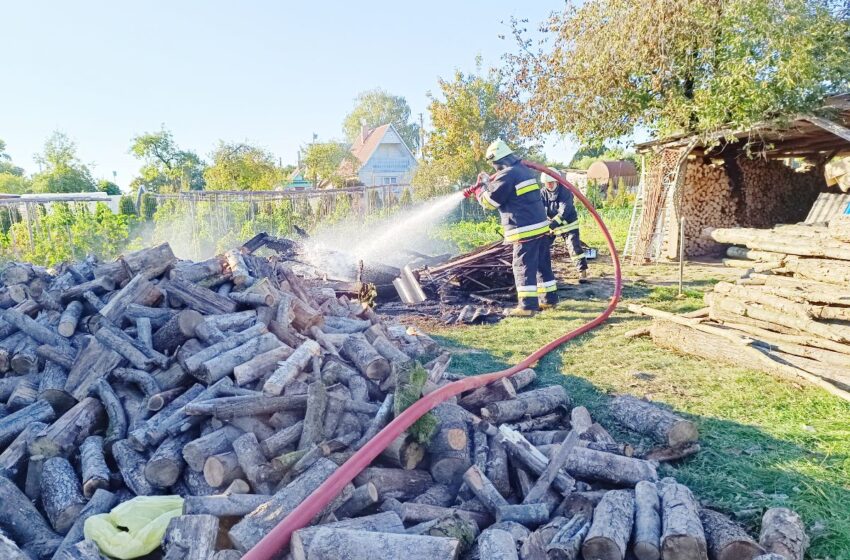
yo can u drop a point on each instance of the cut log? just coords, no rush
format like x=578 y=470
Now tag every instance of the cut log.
x=496 y=544
x=94 y=362
x=385 y=522
x=131 y=465
x=276 y=444
x=149 y=433
x=368 y=361
x=464 y=530
x=403 y=452
x=364 y=496
x=379 y=420
x=22 y=522
x=197 y=451
x=142 y=379
x=102 y=501
x=16 y=422
x=501 y=390
x=450 y=447
x=158 y=316
x=726 y=540
x=157 y=401
x=647 y=535
x=51 y=387
x=222 y=365
x=32 y=484
x=538 y=491
x=32 y=328
x=198 y=298
x=254 y=526
x=70 y=318
x=121 y=343
x=227 y=408
x=93 y=466
x=531 y=403
x=612 y=525
x=227 y=554
x=530 y=515
x=519 y=448
x=291 y=367
x=650 y=419
x=149 y=262
x=13 y=459
x=61 y=494
x=118 y=424
x=235 y=505
x=208 y=333
x=68 y=432
x=222 y=469
x=253 y=462
x=24 y=394
x=317 y=402
x=195 y=362
x=138 y=291
x=483 y=489
x=580 y=420
x=662 y=454
x=411 y=512
x=437 y=495
x=261 y=365
x=335 y=544
x=566 y=544
x=400 y=484
x=176 y=331
x=166 y=464
x=783 y=533
x=194 y=485
x=190 y=537
x=682 y=536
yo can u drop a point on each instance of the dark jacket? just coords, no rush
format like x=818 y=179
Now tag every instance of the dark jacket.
x=560 y=209
x=515 y=192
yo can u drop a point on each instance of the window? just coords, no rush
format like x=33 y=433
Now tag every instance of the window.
x=390 y=180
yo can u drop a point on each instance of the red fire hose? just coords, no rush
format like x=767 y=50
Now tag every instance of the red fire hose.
x=278 y=538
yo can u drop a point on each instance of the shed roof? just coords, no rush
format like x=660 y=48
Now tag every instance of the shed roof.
x=821 y=134
x=604 y=170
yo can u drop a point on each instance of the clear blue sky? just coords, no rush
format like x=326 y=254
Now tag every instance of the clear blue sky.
x=272 y=73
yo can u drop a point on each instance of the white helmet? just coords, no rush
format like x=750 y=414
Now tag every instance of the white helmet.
x=497 y=150
x=546 y=180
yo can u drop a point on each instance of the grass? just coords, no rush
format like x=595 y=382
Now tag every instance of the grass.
x=765 y=442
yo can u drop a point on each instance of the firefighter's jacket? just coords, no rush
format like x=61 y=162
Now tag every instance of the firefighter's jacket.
x=560 y=209
x=515 y=193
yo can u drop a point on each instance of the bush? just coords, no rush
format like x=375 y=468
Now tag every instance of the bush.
x=468 y=235
x=127 y=206
x=148 y=206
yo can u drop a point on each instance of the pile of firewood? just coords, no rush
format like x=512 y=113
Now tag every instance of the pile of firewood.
x=789 y=313
x=241 y=387
x=742 y=191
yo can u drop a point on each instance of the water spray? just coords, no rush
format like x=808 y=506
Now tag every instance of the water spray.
x=278 y=538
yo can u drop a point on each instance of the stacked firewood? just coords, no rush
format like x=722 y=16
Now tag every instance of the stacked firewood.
x=741 y=191
x=241 y=387
x=788 y=314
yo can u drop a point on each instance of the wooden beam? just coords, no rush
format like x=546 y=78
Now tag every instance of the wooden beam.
x=828 y=125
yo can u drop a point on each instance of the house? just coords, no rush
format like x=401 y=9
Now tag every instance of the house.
x=383 y=158
x=297 y=181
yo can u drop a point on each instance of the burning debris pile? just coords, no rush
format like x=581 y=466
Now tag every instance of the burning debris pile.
x=240 y=386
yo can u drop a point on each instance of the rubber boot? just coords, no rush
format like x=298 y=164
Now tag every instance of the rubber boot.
x=520 y=312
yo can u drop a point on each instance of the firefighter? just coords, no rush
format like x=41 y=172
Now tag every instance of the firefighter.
x=514 y=191
x=561 y=212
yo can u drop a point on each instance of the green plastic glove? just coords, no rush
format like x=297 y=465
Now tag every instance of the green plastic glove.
x=135 y=527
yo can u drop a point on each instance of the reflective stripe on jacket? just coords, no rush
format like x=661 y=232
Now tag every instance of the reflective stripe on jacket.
x=515 y=193
x=560 y=209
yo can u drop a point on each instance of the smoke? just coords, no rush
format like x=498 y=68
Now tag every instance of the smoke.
x=392 y=241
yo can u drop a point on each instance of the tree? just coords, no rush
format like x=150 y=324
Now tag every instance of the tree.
x=12 y=179
x=376 y=107
x=166 y=168
x=6 y=166
x=323 y=163
x=62 y=171
x=108 y=187
x=242 y=167
x=466 y=117
x=606 y=67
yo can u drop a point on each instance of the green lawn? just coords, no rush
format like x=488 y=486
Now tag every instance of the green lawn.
x=765 y=442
